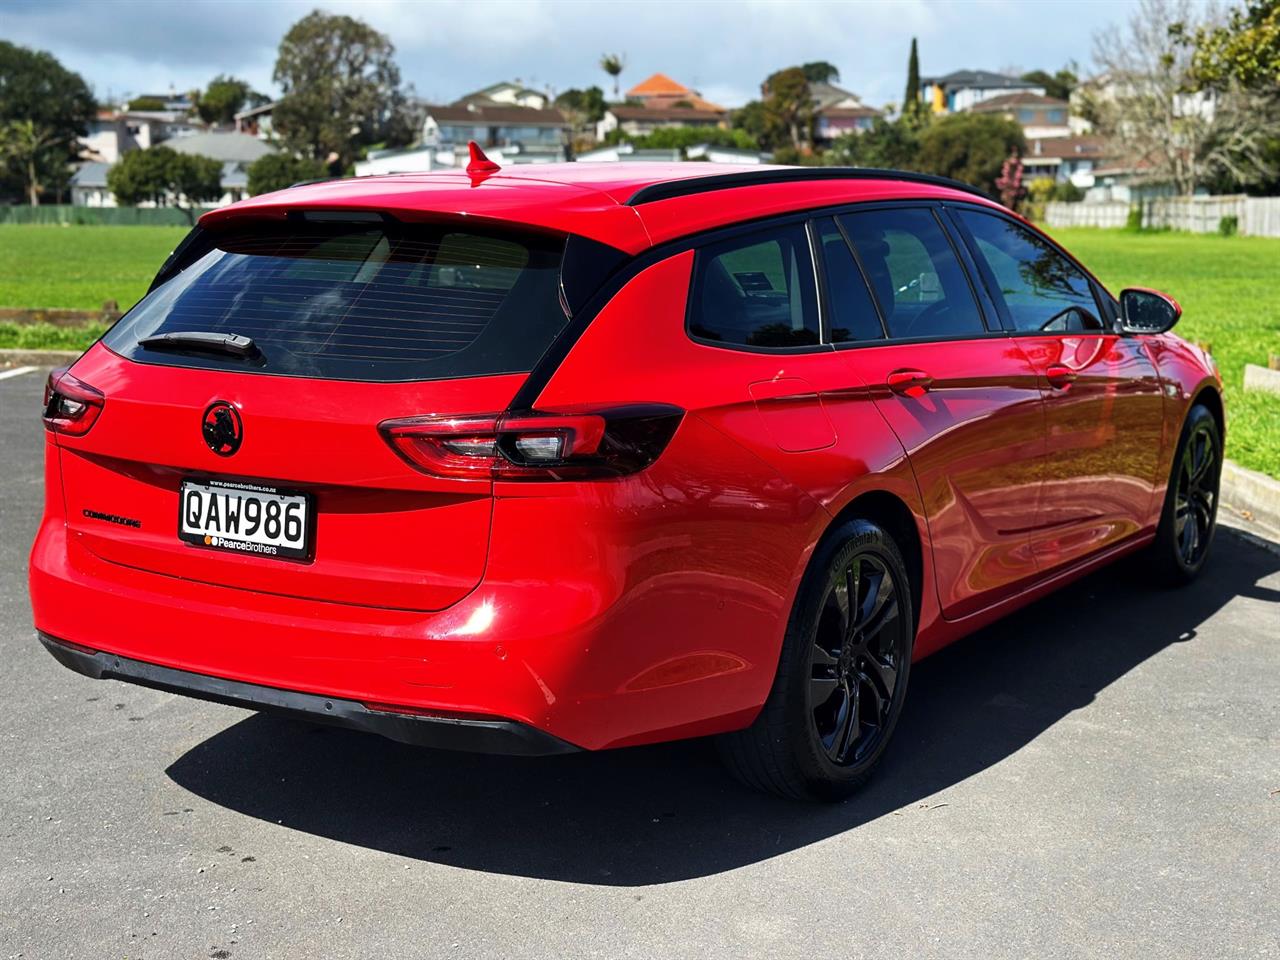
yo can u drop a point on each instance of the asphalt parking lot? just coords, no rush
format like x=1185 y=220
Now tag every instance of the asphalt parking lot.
x=1098 y=776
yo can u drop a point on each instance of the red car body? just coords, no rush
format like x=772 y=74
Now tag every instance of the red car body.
x=590 y=611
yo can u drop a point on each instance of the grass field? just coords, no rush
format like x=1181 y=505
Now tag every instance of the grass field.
x=1229 y=288
x=79 y=267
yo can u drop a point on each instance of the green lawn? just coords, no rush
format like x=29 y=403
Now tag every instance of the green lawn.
x=79 y=267
x=1229 y=288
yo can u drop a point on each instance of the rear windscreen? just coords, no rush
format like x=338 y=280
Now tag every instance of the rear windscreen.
x=384 y=302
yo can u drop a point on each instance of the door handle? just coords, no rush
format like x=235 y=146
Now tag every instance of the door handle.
x=1060 y=375
x=909 y=383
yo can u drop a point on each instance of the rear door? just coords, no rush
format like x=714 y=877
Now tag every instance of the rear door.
x=1103 y=399
x=961 y=396
x=350 y=324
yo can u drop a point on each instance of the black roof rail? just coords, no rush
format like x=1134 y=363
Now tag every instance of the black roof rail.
x=746 y=178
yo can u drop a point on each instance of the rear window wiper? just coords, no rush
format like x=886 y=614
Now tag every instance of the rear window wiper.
x=199 y=341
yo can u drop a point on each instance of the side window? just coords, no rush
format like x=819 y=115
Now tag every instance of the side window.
x=853 y=313
x=915 y=274
x=756 y=291
x=1043 y=290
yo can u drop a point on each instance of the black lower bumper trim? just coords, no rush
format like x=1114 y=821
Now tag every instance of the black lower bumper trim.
x=449 y=733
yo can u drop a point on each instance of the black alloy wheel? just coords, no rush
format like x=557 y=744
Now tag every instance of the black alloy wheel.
x=1196 y=499
x=857 y=652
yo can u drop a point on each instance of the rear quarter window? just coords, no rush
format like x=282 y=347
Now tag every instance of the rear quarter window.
x=376 y=303
x=756 y=291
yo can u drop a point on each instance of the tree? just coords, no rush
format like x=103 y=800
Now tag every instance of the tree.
x=146 y=103
x=613 y=64
x=224 y=98
x=582 y=108
x=971 y=147
x=278 y=171
x=1168 y=134
x=911 y=105
x=1009 y=183
x=43 y=109
x=27 y=147
x=340 y=87
x=1245 y=50
x=819 y=71
x=788 y=106
x=887 y=145
x=163 y=176
x=753 y=120
x=1057 y=85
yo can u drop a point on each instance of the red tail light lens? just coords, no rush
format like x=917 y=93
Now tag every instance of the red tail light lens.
x=572 y=445
x=71 y=406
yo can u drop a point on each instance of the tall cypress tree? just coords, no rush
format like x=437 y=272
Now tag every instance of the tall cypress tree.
x=911 y=99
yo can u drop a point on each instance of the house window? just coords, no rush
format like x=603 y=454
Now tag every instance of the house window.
x=1057 y=117
x=1026 y=116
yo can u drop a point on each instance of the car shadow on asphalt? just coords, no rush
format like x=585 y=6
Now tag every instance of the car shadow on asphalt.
x=666 y=813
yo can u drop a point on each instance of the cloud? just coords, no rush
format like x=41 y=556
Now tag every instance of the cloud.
x=449 y=47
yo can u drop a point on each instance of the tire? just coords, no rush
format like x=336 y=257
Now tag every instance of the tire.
x=806 y=743
x=1190 y=511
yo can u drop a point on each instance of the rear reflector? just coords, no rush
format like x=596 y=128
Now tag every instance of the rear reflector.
x=71 y=406
x=585 y=444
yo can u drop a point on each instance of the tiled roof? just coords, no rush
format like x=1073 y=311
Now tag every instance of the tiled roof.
x=658 y=85
x=501 y=114
x=1024 y=98
x=224 y=146
x=980 y=78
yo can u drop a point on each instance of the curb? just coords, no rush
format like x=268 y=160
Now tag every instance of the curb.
x=1254 y=494
x=38 y=358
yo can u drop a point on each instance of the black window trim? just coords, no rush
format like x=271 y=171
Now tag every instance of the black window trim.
x=1102 y=299
x=537 y=380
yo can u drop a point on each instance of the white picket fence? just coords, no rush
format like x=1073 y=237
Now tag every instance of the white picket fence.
x=1256 y=216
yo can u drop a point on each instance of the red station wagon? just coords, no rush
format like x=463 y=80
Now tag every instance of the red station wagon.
x=583 y=456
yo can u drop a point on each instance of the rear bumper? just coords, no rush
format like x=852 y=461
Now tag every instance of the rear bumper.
x=449 y=733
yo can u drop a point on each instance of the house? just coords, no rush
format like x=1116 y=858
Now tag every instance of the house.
x=614 y=152
x=660 y=92
x=425 y=158
x=961 y=89
x=113 y=133
x=838 y=112
x=89 y=185
x=256 y=121
x=1039 y=116
x=1074 y=159
x=639 y=121
x=512 y=94
x=235 y=151
x=526 y=131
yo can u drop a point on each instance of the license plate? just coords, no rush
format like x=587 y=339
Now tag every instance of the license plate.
x=246 y=518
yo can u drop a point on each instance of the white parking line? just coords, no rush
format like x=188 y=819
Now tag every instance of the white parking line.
x=16 y=372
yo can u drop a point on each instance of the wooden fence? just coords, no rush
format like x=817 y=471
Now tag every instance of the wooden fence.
x=1255 y=216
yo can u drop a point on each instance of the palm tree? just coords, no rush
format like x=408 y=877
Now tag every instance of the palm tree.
x=612 y=64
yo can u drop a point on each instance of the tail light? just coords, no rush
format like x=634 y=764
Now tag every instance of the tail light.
x=71 y=406
x=582 y=444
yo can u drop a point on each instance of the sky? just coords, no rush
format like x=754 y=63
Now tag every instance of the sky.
x=446 y=48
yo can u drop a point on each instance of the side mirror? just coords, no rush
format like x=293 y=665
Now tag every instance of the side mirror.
x=1147 y=311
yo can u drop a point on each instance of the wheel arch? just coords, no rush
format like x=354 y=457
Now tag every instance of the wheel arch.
x=1209 y=397
x=891 y=512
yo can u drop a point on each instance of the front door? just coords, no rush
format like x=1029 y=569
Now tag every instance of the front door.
x=1103 y=400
